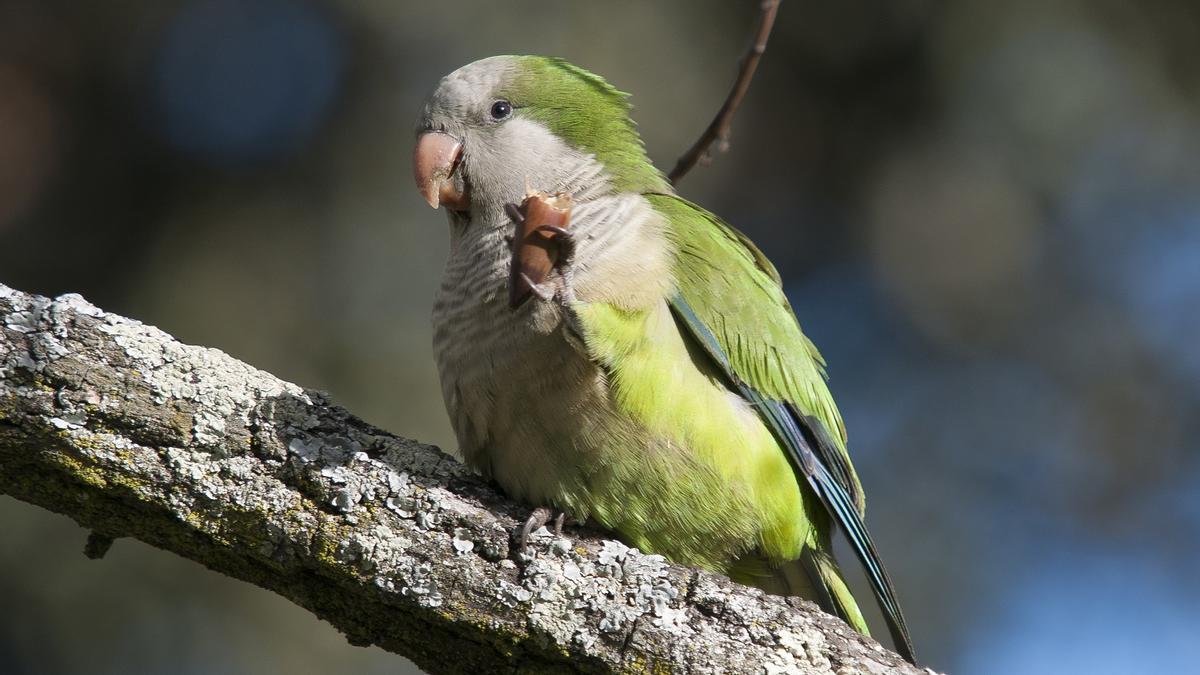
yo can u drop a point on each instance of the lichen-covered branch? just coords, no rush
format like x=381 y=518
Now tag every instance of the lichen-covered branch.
x=132 y=434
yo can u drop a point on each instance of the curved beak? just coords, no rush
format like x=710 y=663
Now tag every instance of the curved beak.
x=435 y=159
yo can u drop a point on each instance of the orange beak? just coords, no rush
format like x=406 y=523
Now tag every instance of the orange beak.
x=435 y=159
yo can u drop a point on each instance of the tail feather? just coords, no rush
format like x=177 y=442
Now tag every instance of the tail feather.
x=838 y=600
x=814 y=576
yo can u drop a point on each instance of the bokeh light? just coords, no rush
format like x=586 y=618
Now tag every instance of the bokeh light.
x=240 y=80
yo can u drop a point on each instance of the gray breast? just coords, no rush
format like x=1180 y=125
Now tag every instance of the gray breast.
x=496 y=364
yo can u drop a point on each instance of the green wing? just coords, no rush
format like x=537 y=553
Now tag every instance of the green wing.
x=736 y=292
x=730 y=299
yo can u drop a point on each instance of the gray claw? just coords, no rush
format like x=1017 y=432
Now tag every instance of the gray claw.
x=540 y=516
x=537 y=290
x=514 y=213
x=566 y=245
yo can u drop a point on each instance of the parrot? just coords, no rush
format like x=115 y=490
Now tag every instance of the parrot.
x=654 y=380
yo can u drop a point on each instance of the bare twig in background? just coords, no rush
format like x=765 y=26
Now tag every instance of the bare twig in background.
x=718 y=129
x=132 y=434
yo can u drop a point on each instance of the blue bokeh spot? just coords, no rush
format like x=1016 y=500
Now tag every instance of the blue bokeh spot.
x=246 y=80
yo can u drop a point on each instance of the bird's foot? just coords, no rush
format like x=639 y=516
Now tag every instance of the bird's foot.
x=543 y=261
x=563 y=259
x=540 y=516
x=565 y=288
x=564 y=264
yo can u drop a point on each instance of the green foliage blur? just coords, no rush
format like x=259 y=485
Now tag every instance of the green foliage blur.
x=987 y=216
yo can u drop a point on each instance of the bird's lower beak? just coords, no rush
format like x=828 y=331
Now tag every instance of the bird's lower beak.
x=435 y=160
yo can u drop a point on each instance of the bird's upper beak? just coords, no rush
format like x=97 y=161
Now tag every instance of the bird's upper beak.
x=435 y=160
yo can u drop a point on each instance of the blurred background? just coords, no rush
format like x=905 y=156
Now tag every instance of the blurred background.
x=987 y=216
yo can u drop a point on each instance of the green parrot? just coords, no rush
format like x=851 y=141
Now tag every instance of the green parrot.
x=655 y=380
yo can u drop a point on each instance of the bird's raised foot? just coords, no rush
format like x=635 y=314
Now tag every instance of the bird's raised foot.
x=564 y=264
x=541 y=245
x=565 y=241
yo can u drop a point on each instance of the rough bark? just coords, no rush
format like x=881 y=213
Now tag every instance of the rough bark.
x=132 y=434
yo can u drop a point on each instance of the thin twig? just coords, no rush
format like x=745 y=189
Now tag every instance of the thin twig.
x=718 y=129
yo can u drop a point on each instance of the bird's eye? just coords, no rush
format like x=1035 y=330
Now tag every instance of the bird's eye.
x=501 y=110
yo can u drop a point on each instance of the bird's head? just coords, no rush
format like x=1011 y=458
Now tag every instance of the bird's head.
x=498 y=127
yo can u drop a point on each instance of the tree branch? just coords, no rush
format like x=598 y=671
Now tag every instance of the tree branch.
x=133 y=434
x=718 y=129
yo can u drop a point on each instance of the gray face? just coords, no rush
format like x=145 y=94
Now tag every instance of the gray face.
x=503 y=156
x=463 y=99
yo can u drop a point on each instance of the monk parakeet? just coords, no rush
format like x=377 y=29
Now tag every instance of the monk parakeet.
x=654 y=379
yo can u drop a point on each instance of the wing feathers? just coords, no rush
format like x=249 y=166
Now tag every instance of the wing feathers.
x=797 y=437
